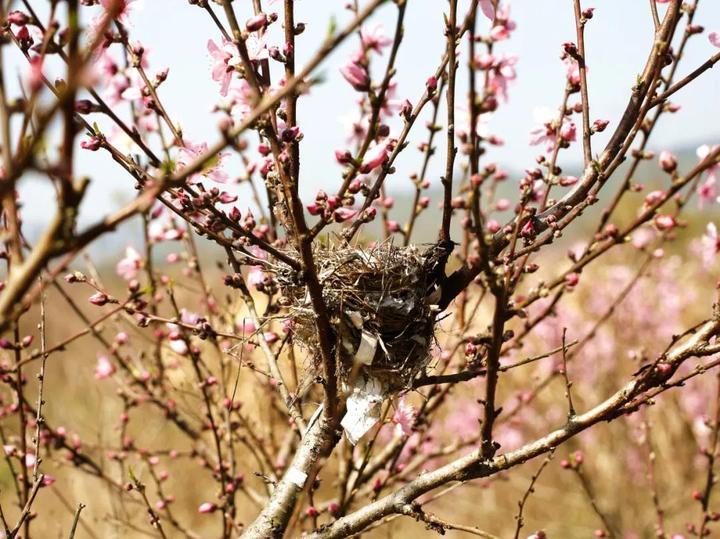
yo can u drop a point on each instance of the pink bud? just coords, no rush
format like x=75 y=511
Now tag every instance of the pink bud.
x=568 y=131
x=356 y=75
x=207 y=507
x=93 y=144
x=568 y=180
x=256 y=23
x=18 y=18
x=667 y=161
x=98 y=299
x=431 y=84
x=311 y=512
x=600 y=125
x=343 y=157
x=343 y=214
x=654 y=197
x=571 y=279
x=665 y=222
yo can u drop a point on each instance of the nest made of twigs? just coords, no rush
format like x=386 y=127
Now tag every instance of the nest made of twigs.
x=380 y=296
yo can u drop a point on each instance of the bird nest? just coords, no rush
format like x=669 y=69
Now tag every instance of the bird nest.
x=381 y=308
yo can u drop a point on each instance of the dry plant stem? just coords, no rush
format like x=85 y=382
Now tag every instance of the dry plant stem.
x=376 y=103
x=652 y=480
x=154 y=518
x=531 y=488
x=679 y=85
x=654 y=11
x=28 y=506
x=474 y=465
x=429 y=152
x=76 y=520
x=459 y=280
x=6 y=526
x=440 y=526
x=271 y=100
x=566 y=376
x=39 y=419
x=303 y=238
x=611 y=529
x=20 y=279
x=447 y=179
x=491 y=379
x=409 y=122
x=268 y=353
x=580 y=31
x=711 y=455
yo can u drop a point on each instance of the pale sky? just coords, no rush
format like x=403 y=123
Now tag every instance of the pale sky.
x=619 y=38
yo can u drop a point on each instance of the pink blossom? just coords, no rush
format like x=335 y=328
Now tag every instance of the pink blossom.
x=710 y=244
x=374 y=38
x=226 y=198
x=665 y=222
x=707 y=190
x=188 y=317
x=241 y=98
x=546 y=132
x=375 y=157
x=502 y=72
x=104 y=368
x=356 y=75
x=128 y=267
x=486 y=6
x=714 y=38
x=503 y=25
x=164 y=231
x=125 y=8
x=356 y=125
x=642 y=237
x=224 y=59
x=343 y=214
x=35 y=76
x=247 y=327
x=256 y=276
x=179 y=346
x=404 y=418
x=213 y=169
x=568 y=131
x=257 y=47
x=573 y=70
